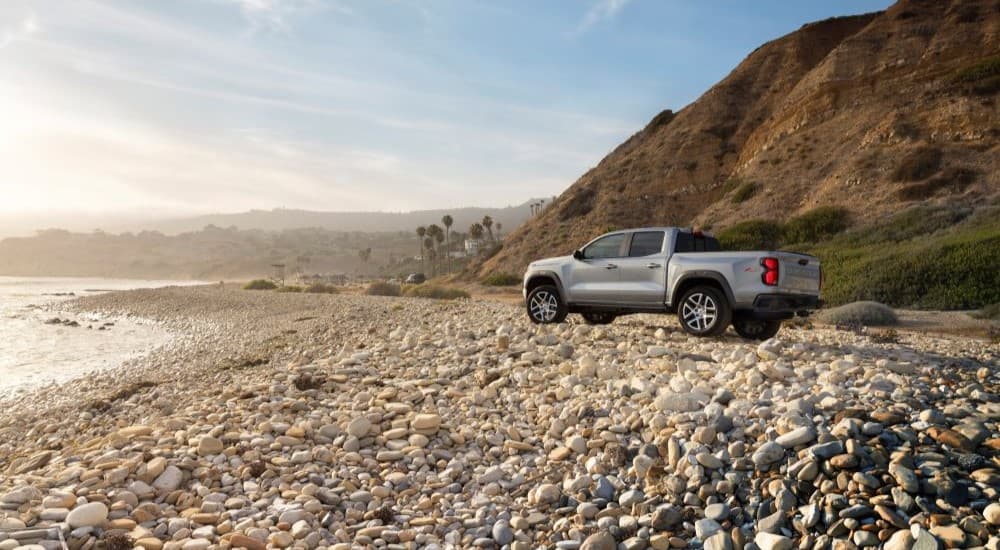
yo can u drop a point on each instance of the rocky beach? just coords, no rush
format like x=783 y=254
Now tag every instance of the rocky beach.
x=313 y=421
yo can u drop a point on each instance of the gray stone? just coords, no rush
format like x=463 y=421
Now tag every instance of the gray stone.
x=768 y=453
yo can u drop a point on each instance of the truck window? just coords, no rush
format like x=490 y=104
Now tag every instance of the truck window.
x=689 y=242
x=605 y=247
x=645 y=243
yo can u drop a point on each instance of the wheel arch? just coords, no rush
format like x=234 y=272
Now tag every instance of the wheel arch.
x=544 y=278
x=697 y=278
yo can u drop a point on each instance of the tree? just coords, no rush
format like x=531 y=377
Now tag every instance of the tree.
x=447 y=221
x=435 y=232
x=365 y=254
x=429 y=245
x=421 y=231
x=488 y=224
x=476 y=231
x=439 y=238
x=499 y=228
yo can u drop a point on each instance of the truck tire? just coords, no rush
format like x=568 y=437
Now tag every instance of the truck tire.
x=704 y=311
x=599 y=318
x=756 y=329
x=545 y=305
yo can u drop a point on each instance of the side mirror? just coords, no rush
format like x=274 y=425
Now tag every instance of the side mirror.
x=578 y=254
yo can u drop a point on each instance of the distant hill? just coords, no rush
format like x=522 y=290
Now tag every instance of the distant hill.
x=874 y=114
x=280 y=219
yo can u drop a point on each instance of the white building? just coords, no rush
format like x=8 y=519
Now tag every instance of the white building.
x=472 y=246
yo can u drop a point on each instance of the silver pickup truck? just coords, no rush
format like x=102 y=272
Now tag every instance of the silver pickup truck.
x=674 y=270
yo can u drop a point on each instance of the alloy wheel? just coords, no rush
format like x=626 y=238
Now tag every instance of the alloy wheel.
x=544 y=306
x=699 y=311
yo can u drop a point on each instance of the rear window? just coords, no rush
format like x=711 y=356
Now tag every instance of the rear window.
x=645 y=243
x=689 y=242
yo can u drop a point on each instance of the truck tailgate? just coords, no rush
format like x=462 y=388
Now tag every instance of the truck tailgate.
x=798 y=273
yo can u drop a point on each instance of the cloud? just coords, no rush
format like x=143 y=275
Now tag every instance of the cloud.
x=603 y=9
x=22 y=30
x=276 y=15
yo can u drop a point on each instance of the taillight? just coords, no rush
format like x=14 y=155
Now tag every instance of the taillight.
x=770 y=275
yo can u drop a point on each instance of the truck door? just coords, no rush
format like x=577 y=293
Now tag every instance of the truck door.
x=594 y=278
x=644 y=270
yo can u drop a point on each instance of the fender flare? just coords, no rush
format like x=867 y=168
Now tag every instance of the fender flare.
x=703 y=274
x=550 y=275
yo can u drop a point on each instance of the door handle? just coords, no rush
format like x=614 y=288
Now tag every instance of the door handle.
x=653 y=265
x=611 y=266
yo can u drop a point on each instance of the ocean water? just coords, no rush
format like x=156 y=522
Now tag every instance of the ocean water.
x=34 y=353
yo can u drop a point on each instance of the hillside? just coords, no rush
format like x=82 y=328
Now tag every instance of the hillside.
x=280 y=219
x=873 y=113
x=212 y=253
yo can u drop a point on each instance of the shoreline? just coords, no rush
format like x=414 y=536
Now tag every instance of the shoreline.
x=325 y=421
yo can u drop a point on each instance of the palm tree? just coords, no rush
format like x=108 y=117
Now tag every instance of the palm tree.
x=435 y=232
x=488 y=224
x=447 y=221
x=532 y=206
x=421 y=231
x=499 y=228
x=439 y=238
x=476 y=231
x=429 y=245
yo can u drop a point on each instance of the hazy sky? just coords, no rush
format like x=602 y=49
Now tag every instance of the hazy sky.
x=165 y=107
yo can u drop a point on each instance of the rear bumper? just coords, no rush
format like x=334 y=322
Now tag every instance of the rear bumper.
x=778 y=306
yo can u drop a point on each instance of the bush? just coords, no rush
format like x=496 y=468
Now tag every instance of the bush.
x=751 y=235
x=919 y=164
x=983 y=70
x=435 y=292
x=744 y=192
x=502 y=279
x=321 y=288
x=816 y=224
x=991 y=311
x=953 y=269
x=383 y=289
x=289 y=288
x=953 y=179
x=864 y=313
x=260 y=284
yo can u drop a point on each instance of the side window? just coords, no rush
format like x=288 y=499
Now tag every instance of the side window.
x=645 y=243
x=685 y=242
x=606 y=247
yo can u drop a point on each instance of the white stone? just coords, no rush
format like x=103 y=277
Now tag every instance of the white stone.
x=92 y=514
x=770 y=541
x=796 y=437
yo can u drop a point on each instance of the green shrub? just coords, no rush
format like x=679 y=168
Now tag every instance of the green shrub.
x=260 y=284
x=991 y=311
x=435 y=292
x=917 y=221
x=918 y=164
x=816 y=224
x=744 y=192
x=985 y=69
x=952 y=179
x=383 y=289
x=951 y=269
x=751 y=235
x=321 y=288
x=866 y=313
x=502 y=279
x=289 y=288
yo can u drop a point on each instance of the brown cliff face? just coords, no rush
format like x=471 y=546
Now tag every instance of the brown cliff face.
x=831 y=114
